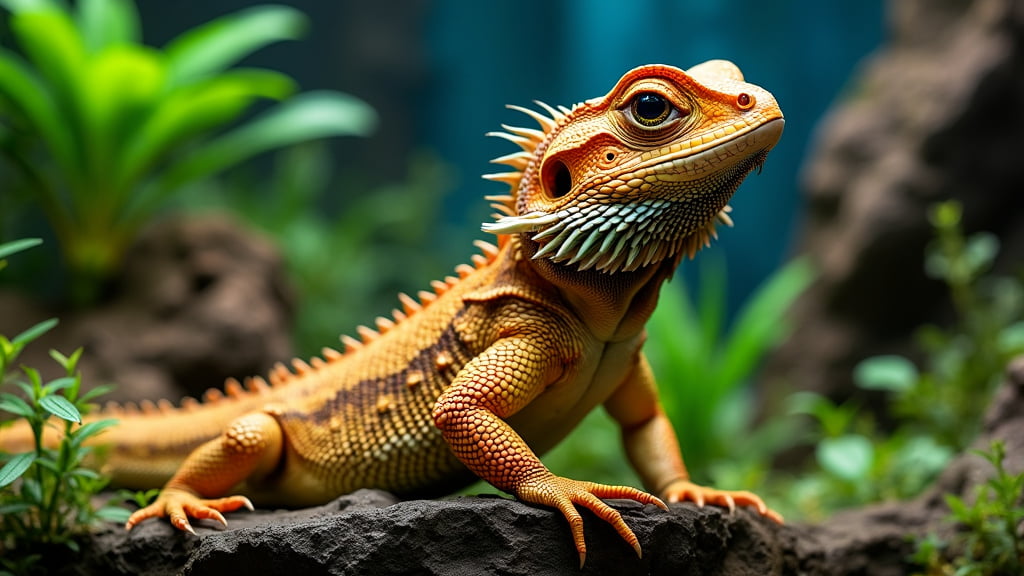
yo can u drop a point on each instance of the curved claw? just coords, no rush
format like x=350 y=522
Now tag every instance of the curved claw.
x=565 y=494
x=180 y=505
x=683 y=490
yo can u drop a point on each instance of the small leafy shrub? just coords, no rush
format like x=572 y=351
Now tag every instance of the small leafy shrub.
x=938 y=409
x=990 y=541
x=100 y=128
x=45 y=493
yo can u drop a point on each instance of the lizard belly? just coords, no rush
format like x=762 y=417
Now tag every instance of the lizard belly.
x=557 y=411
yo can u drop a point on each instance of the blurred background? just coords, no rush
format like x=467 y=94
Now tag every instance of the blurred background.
x=211 y=176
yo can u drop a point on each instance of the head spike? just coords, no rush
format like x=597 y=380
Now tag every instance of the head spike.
x=351 y=344
x=490 y=251
x=384 y=324
x=213 y=396
x=189 y=404
x=517 y=160
x=301 y=367
x=398 y=315
x=546 y=123
x=409 y=305
x=479 y=260
x=522 y=141
x=317 y=362
x=439 y=287
x=427 y=297
x=257 y=385
x=366 y=333
x=464 y=270
x=234 y=388
x=330 y=354
x=165 y=406
x=147 y=406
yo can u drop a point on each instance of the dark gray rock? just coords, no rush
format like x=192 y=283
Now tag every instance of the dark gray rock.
x=930 y=117
x=197 y=300
x=370 y=532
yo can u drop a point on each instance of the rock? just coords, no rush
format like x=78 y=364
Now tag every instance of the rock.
x=930 y=117
x=198 y=299
x=371 y=532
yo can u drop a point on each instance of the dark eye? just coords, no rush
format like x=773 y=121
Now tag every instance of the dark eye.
x=651 y=109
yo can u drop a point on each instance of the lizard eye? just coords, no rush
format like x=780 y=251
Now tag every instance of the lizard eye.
x=650 y=109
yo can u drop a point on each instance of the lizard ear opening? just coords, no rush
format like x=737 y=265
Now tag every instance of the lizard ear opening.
x=557 y=179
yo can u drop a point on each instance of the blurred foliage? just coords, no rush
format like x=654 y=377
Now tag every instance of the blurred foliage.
x=346 y=265
x=46 y=493
x=100 y=129
x=938 y=409
x=989 y=541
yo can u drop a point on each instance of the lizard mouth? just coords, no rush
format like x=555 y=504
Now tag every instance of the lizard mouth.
x=678 y=216
x=626 y=236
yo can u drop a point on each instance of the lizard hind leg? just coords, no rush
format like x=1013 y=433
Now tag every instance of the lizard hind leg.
x=250 y=447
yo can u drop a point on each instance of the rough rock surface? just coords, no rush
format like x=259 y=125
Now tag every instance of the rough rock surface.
x=932 y=116
x=370 y=532
x=199 y=299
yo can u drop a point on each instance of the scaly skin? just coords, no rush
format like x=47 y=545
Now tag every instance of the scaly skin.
x=495 y=367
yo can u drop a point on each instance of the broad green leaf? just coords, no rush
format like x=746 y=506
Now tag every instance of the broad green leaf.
x=31 y=98
x=34 y=332
x=890 y=372
x=15 y=405
x=15 y=467
x=760 y=324
x=54 y=46
x=113 y=514
x=9 y=248
x=849 y=457
x=16 y=6
x=191 y=111
x=14 y=508
x=218 y=44
x=58 y=384
x=107 y=22
x=97 y=391
x=126 y=82
x=91 y=429
x=61 y=407
x=305 y=117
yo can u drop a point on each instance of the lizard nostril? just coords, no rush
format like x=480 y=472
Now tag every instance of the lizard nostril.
x=558 y=179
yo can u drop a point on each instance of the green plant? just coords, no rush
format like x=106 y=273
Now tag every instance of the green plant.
x=102 y=128
x=937 y=409
x=989 y=540
x=45 y=493
x=703 y=369
x=347 y=266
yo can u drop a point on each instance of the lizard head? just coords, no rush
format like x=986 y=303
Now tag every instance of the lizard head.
x=637 y=176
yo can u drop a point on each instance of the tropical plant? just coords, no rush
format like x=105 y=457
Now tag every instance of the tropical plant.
x=704 y=366
x=102 y=128
x=45 y=492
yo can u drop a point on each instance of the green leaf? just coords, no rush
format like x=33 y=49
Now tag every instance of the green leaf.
x=53 y=44
x=15 y=467
x=58 y=384
x=194 y=110
x=892 y=373
x=305 y=117
x=91 y=429
x=113 y=514
x=14 y=405
x=32 y=99
x=61 y=407
x=34 y=332
x=97 y=391
x=760 y=323
x=849 y=457
x=215 y=46
x=107 y=22
x=9 y=248
x=16 y=6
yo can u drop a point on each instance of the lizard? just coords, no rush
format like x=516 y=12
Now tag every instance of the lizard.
x=497 y=363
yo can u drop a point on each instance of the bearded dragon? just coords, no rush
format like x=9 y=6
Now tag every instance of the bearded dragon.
x=491 y=368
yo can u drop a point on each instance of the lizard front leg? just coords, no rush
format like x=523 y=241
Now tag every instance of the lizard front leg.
x=250 y=448
x=470 y=415
x=653 y=449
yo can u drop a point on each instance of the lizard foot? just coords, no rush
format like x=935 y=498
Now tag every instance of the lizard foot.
x=683 y=490
x=564 y=494
x=179 y=505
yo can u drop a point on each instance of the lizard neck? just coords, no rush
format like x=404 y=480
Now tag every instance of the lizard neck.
x=614 y=307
